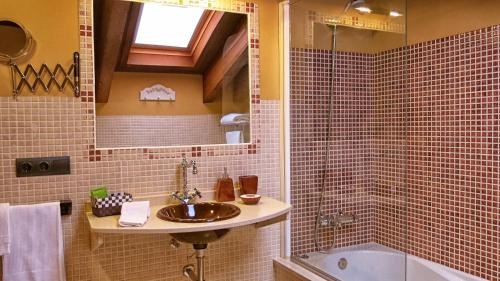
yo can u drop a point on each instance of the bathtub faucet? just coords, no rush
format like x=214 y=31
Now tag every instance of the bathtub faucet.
x=337 y=220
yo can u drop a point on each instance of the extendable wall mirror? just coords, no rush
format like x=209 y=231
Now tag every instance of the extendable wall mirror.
x=16 y=43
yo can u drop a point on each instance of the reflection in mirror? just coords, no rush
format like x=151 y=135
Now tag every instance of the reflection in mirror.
x=15 y=42
x=170 y=76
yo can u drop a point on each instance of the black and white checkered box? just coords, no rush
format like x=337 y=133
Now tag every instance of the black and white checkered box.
x=110 y=205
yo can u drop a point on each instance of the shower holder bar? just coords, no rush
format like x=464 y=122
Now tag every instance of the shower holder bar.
x=46 y=77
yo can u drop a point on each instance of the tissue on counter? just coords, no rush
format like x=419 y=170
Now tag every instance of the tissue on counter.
x=134 y=213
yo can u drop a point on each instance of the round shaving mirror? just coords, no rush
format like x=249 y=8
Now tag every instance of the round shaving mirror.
x=16 y=42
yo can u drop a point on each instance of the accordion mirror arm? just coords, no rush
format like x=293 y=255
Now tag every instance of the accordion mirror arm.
x=96 y=241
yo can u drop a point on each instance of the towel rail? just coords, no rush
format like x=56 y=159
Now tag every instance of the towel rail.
x=46 y=77
x=66 y=207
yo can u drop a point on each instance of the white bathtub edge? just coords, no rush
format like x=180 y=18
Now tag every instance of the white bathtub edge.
x=437 y=269
x=450 y=273
x=287 y=263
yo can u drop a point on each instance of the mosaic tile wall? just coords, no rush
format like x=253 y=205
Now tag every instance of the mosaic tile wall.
x=453 y=148
x=439 y=138
x=53 y=126
x=349 y=177
x=390 y=143
x=146 y=131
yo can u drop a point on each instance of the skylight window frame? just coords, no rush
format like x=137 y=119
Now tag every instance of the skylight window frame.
x=192 y=41
x=156 y=59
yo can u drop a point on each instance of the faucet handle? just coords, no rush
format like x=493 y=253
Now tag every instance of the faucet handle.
x=176 y=195
x=196 y=193
x=195 y=167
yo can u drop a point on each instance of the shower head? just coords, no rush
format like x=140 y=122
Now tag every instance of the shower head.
x=369 y=7
x=353 y=3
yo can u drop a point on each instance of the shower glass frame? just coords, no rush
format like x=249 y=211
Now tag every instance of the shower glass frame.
x=356 y=23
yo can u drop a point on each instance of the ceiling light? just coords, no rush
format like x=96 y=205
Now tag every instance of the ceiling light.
x=364 y=9
x=395 y=14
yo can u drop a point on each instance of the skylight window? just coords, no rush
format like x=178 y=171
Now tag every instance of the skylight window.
x=168 y=26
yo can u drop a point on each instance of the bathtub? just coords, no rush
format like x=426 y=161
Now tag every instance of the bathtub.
x=374 y=262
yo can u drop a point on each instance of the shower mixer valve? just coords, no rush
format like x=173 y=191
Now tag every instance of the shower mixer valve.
x=337 y=220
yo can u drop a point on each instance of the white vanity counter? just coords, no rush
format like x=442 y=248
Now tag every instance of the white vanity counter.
x=267 y=211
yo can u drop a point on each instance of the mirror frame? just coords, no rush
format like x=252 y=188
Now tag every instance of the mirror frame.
x=88 y=87
x=25 y=52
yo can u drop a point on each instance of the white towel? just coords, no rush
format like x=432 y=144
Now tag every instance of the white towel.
x=4 y=229
x=235 y=119
x=37 y=249
x=134 y=213
x=234 y=137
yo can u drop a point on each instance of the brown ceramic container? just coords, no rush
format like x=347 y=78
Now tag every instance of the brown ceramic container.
x=248 y=184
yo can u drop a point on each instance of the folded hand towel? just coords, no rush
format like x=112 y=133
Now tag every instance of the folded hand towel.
x=4 y=229
x=134 y=213
x=36 y=250
x=235 y=119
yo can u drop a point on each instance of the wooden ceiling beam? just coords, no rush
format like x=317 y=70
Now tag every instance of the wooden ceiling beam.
x=143 y=58
x=113 y=21
x=228 y=64
x=130 y=31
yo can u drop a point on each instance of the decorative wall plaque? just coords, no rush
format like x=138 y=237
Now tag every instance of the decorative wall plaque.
x=157 y=93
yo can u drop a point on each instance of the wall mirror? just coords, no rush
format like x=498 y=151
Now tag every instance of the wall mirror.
x=16 y=43
x=170 y=75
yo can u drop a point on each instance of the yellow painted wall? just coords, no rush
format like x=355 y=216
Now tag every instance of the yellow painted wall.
x=427 y=20
x=53 y=24
x=269 y=51
x=348 y=39
x=357 y=40
x=236 y=93
x=125 y=88
x=432 y=19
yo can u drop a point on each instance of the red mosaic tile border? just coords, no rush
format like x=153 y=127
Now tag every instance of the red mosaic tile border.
x=87 y=95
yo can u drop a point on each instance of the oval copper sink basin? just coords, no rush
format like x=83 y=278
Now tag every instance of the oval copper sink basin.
x=199 y=212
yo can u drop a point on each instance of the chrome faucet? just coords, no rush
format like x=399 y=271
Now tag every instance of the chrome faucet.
x=338 y=220
x=187 y=197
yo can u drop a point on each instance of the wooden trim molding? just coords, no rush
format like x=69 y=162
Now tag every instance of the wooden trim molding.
x=160 y=56
x=229 y=63
x=218 y=48
x=132 y=25
x=113 y=21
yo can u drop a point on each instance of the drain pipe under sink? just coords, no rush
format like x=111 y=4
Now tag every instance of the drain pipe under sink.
x=188 y=270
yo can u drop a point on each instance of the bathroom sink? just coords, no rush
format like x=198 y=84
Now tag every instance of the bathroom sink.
x=199 y=212
x=200 y=237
